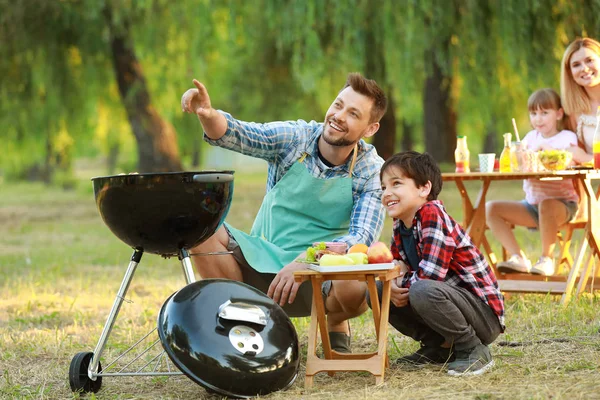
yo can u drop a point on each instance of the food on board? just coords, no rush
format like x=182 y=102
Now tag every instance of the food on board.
x=358 y=248
x=379 y=253
x=328 y=260
x=358 y=258
x=555 y=160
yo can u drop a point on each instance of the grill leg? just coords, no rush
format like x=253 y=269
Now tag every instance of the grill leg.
x=110 y=321
x=186 y=264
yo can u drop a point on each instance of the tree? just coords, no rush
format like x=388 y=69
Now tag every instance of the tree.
x=54 y=69
x=156 y=138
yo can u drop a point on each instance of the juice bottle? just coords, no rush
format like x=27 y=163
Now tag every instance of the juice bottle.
x=596 y=141
x=505 y=156
x=461 y=155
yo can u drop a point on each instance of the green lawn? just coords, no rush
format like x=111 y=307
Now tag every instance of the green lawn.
x=60 y=268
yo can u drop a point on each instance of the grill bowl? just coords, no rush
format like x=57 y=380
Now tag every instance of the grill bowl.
x=162 y=213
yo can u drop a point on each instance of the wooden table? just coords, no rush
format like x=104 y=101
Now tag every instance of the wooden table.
x=474 y=223
x=376 y=362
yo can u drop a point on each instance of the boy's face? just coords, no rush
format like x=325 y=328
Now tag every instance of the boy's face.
x=401 y=197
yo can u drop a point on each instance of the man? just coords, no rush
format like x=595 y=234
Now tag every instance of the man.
x=323 y=185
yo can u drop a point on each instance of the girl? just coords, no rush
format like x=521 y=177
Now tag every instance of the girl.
x=547 y=204
x=580 y=92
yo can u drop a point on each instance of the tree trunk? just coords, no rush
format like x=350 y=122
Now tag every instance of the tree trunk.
x=385 y=139
x=439 y=113
x=408 y=140
x=490 y=144
x=156 y=138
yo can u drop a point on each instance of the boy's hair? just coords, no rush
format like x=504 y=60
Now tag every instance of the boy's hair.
x=421 y=168
x=369 y=88
x=545 y=99
x=574 y=98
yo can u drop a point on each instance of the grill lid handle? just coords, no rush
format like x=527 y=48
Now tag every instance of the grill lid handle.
x=240 y=311
x=212 y=178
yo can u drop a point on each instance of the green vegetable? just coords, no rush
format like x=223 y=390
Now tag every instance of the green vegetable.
x=311 y=253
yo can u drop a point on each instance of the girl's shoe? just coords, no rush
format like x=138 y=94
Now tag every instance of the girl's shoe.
x=544 y=266
x=515 y=263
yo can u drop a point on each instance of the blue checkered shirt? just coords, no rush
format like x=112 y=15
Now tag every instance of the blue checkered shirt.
x=281 y=144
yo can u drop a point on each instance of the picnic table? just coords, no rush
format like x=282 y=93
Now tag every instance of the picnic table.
x=474 y=222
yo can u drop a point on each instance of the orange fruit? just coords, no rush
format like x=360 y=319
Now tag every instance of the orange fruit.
x=359 y=248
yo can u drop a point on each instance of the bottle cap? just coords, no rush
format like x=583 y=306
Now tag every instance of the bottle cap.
x=462 y=136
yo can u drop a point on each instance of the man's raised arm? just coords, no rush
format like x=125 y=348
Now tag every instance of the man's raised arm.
x=198 y=101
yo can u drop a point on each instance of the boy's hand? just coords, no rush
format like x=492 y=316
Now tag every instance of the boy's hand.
x=399 y=295
x=403 y=267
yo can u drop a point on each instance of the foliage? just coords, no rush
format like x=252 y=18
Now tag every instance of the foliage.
x=61 y=267
x=268 y=59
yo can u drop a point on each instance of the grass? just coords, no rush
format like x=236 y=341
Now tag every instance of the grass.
x=60 y=268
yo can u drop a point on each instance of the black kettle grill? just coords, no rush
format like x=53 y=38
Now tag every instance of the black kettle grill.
x=230 y=338
x=160 y=213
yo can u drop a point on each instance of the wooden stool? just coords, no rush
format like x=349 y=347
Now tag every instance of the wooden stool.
x=376 y=362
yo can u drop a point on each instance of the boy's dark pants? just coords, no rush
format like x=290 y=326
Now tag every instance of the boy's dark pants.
x=439 y=312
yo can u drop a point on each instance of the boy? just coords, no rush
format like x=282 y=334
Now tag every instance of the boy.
x=447 y=297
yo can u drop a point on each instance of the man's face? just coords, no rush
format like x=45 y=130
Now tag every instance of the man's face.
x=348 y=119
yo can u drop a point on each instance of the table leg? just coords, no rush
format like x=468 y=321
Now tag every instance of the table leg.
x=321 y=316
x=474 y=216
x=585 y=274
x=311 y=352
x=591 y=238
x=593 y=217
x=566 y=297
x=467 y=205
x=374 y=302
x=383 y=330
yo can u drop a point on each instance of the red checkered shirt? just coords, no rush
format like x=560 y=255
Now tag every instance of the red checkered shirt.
x=446 y=253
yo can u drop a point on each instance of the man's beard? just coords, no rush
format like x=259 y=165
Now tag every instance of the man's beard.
x=340 y=142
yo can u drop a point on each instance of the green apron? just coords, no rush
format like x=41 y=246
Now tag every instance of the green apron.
x=299 y=210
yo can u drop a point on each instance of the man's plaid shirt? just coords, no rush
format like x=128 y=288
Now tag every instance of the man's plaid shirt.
x=281 y=144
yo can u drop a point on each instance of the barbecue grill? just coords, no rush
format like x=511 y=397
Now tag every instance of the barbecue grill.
x=160 y=213
x=224 y=335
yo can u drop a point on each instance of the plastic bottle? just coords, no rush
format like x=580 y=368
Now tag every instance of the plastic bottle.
x=596 y=142
x=505 y=155
x=461 y=155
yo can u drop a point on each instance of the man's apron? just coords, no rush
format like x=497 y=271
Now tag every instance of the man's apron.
x=299 y=210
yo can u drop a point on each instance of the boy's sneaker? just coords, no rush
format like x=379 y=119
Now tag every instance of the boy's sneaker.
x=428 y=355
x=515 y=263
x=473 y=361
x=544 y=266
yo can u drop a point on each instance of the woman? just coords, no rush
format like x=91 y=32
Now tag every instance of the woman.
x=580 y=93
